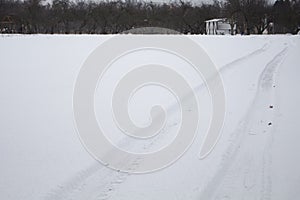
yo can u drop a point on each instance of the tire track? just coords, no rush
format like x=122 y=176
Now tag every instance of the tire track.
x=242 y=59
x=229 y=66
x=246 y=157
x=98 y=181
x=109 y=180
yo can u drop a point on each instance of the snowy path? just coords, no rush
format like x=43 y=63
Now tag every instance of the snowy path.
x=98 y=183
x=256 y=157
x=244 y=172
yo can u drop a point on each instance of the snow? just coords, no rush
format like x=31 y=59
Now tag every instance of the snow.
x=42 y=157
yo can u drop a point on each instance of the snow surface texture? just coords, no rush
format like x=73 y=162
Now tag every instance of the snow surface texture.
x=257 y=156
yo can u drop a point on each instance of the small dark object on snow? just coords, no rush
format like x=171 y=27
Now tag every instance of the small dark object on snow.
x=269 y=123
x=271 y=106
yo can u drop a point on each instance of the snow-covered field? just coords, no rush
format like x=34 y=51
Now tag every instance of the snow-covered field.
x=256 y=157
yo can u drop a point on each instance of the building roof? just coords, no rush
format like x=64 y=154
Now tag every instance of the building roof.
x=216 y=20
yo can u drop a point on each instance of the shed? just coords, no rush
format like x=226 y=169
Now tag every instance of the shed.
x=219 y=27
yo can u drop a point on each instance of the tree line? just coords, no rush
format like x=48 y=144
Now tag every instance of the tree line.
x=115 y=16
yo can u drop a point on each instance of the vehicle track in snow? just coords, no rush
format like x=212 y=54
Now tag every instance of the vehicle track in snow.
x=242 y=59
x=244 y=169
x=99 y=182
x=229 y=66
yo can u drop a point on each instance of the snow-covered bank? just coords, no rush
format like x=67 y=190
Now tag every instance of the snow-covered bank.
x=42 y=158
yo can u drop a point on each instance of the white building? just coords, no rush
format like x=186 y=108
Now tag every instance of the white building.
x=219 y=27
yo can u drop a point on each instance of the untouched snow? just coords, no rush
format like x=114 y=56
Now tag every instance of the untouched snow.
x=41 y=156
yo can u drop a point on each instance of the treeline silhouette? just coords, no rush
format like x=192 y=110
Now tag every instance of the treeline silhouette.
x=106 y=17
